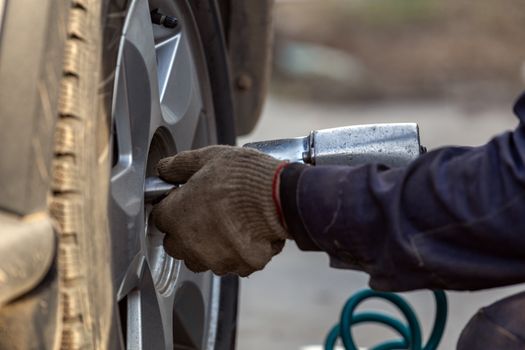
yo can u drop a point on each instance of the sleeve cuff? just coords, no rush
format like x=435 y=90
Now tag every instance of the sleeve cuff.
x=288 y=194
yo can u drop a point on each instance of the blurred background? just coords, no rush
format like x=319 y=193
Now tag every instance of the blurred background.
x=453 y=66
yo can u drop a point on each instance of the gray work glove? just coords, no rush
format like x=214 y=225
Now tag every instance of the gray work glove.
x=224 y=217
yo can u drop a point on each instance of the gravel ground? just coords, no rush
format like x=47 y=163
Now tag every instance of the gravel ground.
x=296 y=299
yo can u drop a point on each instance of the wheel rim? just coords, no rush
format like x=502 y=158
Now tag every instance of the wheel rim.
x=161 y=105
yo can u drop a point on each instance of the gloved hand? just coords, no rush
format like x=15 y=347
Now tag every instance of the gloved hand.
x=224 y=217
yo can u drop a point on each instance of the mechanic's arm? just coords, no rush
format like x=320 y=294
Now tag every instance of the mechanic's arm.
x=454 y=219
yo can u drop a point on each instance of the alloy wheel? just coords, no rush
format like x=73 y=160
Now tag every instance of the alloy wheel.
x=162 y=104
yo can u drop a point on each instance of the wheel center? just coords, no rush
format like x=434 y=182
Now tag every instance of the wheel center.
x=164 y=269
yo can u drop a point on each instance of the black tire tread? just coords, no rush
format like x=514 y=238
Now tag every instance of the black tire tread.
x=73 y=153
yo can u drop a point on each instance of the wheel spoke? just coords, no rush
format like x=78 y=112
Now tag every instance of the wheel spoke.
x=180 y=95
x=131 y=279
x=134 y=338
x=135 y=110
x=125 y=206
x=166 y=311
x=145 y=329
x=179 y=84
x=166 y=51
x=213 y=313
x=140 y=61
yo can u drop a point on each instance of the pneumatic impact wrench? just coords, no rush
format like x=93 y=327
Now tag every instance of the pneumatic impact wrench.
x=394 y=145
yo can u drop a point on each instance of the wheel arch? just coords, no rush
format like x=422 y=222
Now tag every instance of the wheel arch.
x=249 y=38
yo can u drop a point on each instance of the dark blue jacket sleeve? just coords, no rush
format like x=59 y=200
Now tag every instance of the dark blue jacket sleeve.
x=453 y=219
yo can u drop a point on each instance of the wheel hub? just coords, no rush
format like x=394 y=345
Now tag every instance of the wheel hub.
x=164 y=268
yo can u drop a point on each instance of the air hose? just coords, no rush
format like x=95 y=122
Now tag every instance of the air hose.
x=411 y=335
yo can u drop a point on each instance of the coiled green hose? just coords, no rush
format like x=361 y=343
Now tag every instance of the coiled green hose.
x=410 y=333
